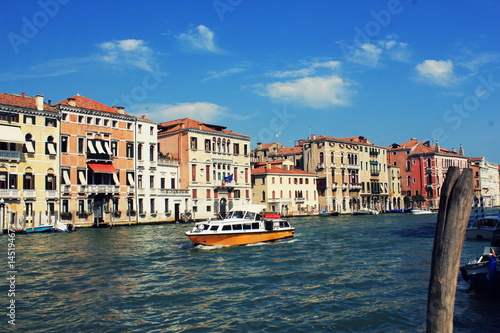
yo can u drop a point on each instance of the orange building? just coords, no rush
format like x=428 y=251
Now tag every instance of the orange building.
x=97 y=162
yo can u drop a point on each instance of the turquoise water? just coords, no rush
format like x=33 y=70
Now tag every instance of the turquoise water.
x=342 y=274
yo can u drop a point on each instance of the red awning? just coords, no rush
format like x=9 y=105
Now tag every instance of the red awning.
x=102 y=168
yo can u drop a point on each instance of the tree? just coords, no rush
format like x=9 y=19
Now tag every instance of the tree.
x=418 y=199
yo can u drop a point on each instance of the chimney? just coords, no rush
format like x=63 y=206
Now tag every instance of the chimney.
x=438 y=149
x=23 y=94
x=39 y=102
x=259 y=145
x=72 y=101
x=268 y=166
x=120 y=109
x=461 y=150
x=313 y=136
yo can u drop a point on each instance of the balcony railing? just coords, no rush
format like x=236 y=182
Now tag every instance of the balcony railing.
x=10 y=194
x=52 y=194
x=10 y=155
x=300 y=200
x=29 y=194
x=102 y=189
x=165 y=161
x=355 y=187
x=102 y=157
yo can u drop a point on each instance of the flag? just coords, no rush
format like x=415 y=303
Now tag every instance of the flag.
x=228 y=179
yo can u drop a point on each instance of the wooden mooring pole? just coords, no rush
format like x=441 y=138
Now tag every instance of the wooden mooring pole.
x=454 y=211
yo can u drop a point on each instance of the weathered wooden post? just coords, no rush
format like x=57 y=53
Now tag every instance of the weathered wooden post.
x=454 y=210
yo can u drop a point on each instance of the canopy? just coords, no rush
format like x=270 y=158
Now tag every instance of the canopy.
x=11 y=134
x=102 y=168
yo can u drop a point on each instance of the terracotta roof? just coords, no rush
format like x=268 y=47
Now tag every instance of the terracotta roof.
x=289 y=151
x=87 y=103
x=23 y=101
x=264 y=169
x=419 y=147
x=185 y=123
x=358 y=139
x=325 y=137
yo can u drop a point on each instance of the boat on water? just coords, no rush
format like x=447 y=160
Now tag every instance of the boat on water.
x=483 y=273
x=40 y=228
x=366 y=211
x=483 y=228
x=245 y=224
x=328 y=213
x=421 y=211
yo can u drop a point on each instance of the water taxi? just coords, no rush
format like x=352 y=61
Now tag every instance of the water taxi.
x=483 y=228
x=245 y=224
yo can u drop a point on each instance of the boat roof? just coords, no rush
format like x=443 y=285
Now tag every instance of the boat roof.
x=254 y=208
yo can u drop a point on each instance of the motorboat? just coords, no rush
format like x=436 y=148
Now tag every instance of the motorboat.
x=483 y=228
x=483 y=273
x=366 y=211
x=245 y=224
x=328 y=213
x=421 y=211
x=40 y=228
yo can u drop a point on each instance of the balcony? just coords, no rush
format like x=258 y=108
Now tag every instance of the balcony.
x=106 y=189
x=320 y=166
x=375 y=173
x=354 y=167
x=52 y=194
x=279 y=200
x=29 y=194
x=10 y=155
x=300 y=200
x=174 y=192
x=65 y=189
x=10 y=194
x=355 y=187
x=168 y=162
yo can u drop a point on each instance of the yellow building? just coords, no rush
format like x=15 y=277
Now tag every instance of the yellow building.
x=352 y=172
x=284 y=189
x=29 y=163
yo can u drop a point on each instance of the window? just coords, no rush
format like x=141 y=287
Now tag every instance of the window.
x=207 y=175
x=64 y=144
x=130 y=179
x=114 y=148
x=106 y=122
x=114 y=124
x=81 y=206
x=152 y=206
x=195 y=193
x=28 y=181
x=245 y=150
x=207 y=145
x=151 y=153
x=50 y=146
x=89 y=120
x=139 y=152
x=166 y=205
x=30 y=120
x=193 y=172
x=151 y=130
x=209 y=194
x=139 y=128
x=141 y=206
x=263 y=195
x=151 y=181
x=130 y=150
x=97 y=121
x=65 y=177
x=82 y=180
x=139 y=181
x=81 y=143
x=194 y=143
x=236 y=148
x=50 y=182
x=129 y=126
x=29 y=144
x=50 y=122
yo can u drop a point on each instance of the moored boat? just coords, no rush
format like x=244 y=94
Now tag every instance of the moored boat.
x=421 y=211
x=483 y=228
x=483 y=274
x=245 y=224
x=366 y=211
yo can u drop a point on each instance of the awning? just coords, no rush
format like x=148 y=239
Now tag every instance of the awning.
x=102 y=168
x=90 y=147
x=98 y=145
x=81 y=177
x=30 y=148
x=130 y=177
x=115 y=178
x=11 y=134
x=66 y=178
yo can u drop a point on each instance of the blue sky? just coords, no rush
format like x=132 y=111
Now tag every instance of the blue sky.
x=277 y=71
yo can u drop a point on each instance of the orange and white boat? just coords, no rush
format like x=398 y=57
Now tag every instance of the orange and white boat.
x=245 y=224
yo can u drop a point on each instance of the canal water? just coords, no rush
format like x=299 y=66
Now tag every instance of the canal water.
x=342 y=274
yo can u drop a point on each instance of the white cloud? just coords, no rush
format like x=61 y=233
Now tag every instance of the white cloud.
x=370 y=53
x=436 y=72
x=203 y=111
x=315 y=92
x=216 y=75
x=200 y=38
x=311 y=69
x=132 y=52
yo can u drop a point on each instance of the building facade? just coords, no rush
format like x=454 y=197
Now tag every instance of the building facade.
x=423 y=168
x=29 y=163
x=159 y=198
x=214 y=164
x=284 y=189
x=97 y=161
x=352 y=173
x=486 y=181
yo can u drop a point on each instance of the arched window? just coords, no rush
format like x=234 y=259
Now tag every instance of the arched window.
x=321 y=158
x=263 y=195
